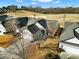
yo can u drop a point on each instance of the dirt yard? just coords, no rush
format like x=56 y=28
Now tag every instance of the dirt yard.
x=59 y=17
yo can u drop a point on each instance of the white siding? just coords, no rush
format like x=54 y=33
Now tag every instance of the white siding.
x=2 y=29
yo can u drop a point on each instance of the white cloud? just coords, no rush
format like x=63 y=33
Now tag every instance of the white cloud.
x=33 y=3
x=54 y=1
x=57 y=2
x=19 y=0
x=34 y=0
x=44 y=0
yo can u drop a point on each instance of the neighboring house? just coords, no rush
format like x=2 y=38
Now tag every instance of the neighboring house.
x=76 y=32
x=3 y=17
x=71 y=45
x=38 y=29
x=22 y=21
x=8 y=22
x=2 y=29
x=69 y=39
x=42 y=24
x=68 y=31
x=31 y=21
x=37 y=34
x=10 y=25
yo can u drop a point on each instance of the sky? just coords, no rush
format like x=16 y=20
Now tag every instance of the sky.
x=41 y=3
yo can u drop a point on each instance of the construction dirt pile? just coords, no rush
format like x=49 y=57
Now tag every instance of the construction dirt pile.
x=6 y=40
x=39 y=51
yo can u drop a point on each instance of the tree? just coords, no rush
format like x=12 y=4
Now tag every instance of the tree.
x=12 y=8
x=23 y=7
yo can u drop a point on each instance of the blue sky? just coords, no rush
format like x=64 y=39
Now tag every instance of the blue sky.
x=42 y=3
